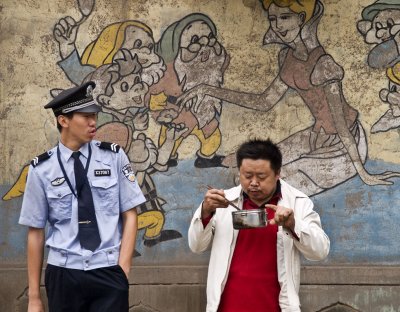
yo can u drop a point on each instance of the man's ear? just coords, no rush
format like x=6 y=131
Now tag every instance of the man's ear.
x=63 y=121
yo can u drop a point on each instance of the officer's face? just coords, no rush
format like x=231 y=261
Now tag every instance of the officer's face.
x=258 y=179
x=79 y=129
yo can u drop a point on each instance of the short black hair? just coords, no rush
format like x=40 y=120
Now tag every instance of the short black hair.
x=68 y=115
x=260 y=149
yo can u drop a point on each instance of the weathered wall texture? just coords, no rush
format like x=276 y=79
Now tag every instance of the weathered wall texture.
x=334 y=108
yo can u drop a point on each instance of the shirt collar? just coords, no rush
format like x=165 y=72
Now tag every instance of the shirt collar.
x=66 y=153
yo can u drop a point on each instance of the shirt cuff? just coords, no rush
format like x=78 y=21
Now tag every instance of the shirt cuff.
x=207 y=220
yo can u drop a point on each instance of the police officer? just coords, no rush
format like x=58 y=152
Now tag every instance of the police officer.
x=85 y=192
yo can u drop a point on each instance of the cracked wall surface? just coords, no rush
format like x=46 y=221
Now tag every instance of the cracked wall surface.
x=167 y=52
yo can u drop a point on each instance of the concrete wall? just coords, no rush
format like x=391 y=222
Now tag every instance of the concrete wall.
x=182 y=288
x=358 y=209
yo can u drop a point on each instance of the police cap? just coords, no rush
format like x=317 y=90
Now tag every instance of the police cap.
x=77 y=99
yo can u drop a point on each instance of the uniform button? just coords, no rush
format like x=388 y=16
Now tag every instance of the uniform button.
x=59 y=195
x=110 y=252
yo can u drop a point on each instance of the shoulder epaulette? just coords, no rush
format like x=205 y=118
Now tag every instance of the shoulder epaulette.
x=42 y=157
x=109 y=146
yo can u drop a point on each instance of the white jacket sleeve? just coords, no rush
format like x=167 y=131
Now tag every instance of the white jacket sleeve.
x=200 y=238
x=313 y=243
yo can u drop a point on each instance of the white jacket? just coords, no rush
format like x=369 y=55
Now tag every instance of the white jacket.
x=221 y=237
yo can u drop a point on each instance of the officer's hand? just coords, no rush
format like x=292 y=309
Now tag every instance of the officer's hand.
x=213 y=199
x=35 y=305
x=126 y=269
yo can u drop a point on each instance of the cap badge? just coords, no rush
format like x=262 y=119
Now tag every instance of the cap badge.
x=89 y=91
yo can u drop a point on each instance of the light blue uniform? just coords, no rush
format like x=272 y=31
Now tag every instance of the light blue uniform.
x=48 y=198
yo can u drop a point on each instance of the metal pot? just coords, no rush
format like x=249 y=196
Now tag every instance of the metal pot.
x=249 y=219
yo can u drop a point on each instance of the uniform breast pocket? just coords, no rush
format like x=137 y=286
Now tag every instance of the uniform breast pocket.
x=60 y=203
x=105 y=195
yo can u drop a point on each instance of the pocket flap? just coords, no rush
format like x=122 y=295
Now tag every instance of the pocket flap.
x=58 y=191
x=104 y=183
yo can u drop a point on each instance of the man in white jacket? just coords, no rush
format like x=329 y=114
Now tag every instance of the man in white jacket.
x=257 y=269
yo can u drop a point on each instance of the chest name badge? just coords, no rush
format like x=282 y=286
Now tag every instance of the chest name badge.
x=102 y=172
x=58 y=181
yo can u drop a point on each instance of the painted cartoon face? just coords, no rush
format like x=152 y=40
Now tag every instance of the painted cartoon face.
x=285 y=23
x=129 y=92
x=196 y=35
x=140 y=42
x=201 y=56
x=201 y=59
x=383 y=27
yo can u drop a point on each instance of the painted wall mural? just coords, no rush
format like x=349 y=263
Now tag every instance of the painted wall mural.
x=170 y=101
x=380 y=27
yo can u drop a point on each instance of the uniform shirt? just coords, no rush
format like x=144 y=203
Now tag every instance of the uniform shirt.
x=49 y=200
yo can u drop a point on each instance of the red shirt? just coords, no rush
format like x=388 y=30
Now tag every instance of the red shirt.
x=252 y=283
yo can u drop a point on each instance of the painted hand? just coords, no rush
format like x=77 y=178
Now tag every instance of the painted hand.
x=379 y=179
x=192 y=99
x=175 y=131
x=65 y=31
x=141 y=120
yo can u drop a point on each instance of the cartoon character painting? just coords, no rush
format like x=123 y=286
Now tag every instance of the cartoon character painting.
x=193 y=55
x=178 y=82
x=121 y=91
x=380 y=27
x=334 y=149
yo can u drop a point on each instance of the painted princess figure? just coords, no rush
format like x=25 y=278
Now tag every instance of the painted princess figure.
x=334 y=148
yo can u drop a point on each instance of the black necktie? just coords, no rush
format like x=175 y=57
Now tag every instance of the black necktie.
x=88 y=231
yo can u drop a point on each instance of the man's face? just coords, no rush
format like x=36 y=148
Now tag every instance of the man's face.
x=258 y=179
x=79 y=129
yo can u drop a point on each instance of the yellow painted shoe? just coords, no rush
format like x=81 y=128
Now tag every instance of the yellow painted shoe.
x=19 y=186
x=158 y=101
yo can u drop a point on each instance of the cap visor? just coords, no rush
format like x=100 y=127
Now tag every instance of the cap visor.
x=90 y=109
